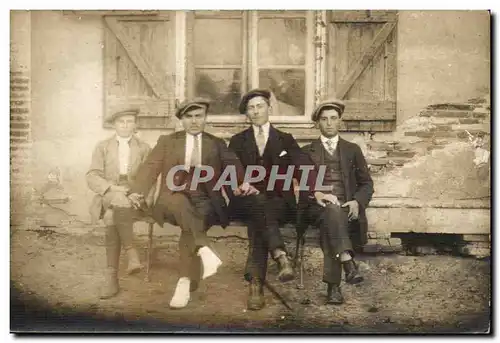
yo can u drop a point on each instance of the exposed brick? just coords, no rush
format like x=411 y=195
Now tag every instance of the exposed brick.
x=441 y=134
x=19 y=133
x=469 y=121
x=398 y=161
x=476 y=238
x=19 y=119
x=372 y=234
x=465 y=135
x=447 y=114
x=480 y=115
x=19 y=95
x=19 y=125
x=20 y=80
x=16 y=103
x=442 y=127
x=19 y=110
x=451 y=106
x=422 y=134
x=395 y=241
x=19 y=88
x=435 y=147
x=401 y=153
x=377 y=161
x=380 y=146
x=372 y=248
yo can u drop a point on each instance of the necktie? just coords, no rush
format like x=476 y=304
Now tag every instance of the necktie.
x=261 y=141
x=330 y=148
x=195 y=154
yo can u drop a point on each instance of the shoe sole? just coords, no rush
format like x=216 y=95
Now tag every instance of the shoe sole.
x=286 y=277
x=356 y=280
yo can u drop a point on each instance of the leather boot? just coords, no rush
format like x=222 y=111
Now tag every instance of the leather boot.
x=110 y=287
x=255 y=299
x=285 y=269
x=333 y=295
x=352 y=275
x=134 y=264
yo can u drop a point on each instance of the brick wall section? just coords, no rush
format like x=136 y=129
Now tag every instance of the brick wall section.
x=433 y=128
x=20 y=144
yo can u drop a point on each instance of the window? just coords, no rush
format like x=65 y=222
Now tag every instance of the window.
x=155 y=59
x=268 y=49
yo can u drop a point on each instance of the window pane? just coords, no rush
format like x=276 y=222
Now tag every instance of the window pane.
x=222 y=87
x=288 y=86
x=217 y=41
x=282 y=41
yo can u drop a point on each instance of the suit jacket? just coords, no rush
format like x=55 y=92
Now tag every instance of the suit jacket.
x=104 y=171
x=278 y=143
x=357 y=182
x=170 y=151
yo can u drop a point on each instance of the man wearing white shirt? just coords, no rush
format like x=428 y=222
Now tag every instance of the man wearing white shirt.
x=263 y=145
x=340 y=212
x=193 y=210
x=114 y=164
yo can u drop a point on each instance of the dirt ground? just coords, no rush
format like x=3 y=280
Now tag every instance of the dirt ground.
x=61 y=274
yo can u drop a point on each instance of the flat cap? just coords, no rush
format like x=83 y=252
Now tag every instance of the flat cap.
x=328 y=104
x=252 y=94
x=190 y=104
x=122 y=111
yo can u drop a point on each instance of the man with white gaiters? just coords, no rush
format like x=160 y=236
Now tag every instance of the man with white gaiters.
x=195 y=209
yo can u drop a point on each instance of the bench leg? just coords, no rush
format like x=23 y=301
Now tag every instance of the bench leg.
x=300 y=259
x=150 y=252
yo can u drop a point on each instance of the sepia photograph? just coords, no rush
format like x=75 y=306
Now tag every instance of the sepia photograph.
x=282 y=171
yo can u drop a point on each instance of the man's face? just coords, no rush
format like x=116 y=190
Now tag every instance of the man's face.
x=194 y=120
x=125 y=125
x=258 y=110
x=329 y=122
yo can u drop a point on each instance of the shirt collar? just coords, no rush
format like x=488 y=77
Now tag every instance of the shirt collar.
x=334 y=140
x=194 y=136
x=265 y=128
x=123 y=139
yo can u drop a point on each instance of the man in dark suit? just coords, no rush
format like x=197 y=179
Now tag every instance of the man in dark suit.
x=274 y=152
x=339 y=213
x=181 y=158
x=114 y=164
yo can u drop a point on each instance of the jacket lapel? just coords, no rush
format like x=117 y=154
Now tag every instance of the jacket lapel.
x=207 y=149
x=250 y=145
x=134 y=157
x=344 y=159
x=317 y=152
x=180 y=147
x=112 y=159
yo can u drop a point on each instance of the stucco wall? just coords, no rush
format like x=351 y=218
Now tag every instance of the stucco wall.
x=444 y=56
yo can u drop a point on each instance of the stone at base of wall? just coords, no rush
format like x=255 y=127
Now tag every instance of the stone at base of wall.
x=384 y=245
x=477 y=249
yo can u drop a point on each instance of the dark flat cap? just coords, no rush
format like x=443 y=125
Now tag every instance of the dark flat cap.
x=189 y=104
x=328 y=104
x=252 y=94
x=122 y=111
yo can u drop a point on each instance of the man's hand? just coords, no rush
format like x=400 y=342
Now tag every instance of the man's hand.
x=353 y=209
x=136 y=200
x=245 y=189
x=323 y=199
x=121 y=189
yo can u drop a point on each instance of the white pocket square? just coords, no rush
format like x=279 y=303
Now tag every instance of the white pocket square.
x=283 y=153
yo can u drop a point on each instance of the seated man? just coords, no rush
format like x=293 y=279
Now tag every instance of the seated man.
x=275 y=152
x=114 y=164
x=195 y=208
x=338 y=213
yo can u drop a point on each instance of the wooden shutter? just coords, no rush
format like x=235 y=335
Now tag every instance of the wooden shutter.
x=362 y=67
x=139 y=67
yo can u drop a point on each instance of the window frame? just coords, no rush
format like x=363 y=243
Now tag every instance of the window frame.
x=250 y=67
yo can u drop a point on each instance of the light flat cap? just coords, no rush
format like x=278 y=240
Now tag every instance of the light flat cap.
x=189 y=104
x=334 y=104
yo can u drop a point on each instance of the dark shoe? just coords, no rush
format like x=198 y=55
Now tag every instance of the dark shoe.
x=134 y=264
x=193 y=286
x=285 y=269
x=110 y=287
x=352 y=275
x=255 y=299
x=334 y=297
